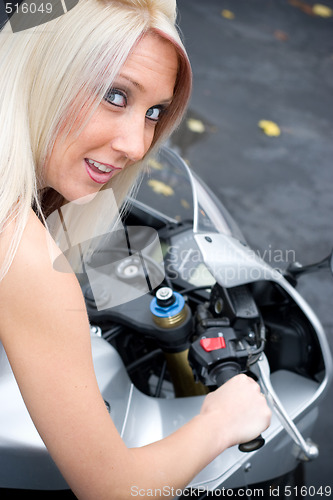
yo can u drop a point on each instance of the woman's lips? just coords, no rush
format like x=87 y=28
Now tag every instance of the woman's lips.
x=96 y=174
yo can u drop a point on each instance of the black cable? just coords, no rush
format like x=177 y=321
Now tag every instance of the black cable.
x=112 y=333
x=145 y=270
x=138 y=362
x=160 y=380
x=195 y=288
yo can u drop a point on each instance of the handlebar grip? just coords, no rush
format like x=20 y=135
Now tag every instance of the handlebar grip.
x=227 y=371
x=253 y=445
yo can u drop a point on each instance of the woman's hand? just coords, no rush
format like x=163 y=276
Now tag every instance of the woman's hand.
x=237 y=410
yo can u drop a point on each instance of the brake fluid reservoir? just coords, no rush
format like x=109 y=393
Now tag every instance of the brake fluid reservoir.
x=168 y=308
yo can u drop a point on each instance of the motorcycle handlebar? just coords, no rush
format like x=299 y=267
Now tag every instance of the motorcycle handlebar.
x=225 y=372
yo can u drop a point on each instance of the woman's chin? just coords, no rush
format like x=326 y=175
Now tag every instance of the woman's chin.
x=79 y=196
x=83 y=200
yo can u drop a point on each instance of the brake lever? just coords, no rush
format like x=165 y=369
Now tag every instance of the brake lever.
x=308 y=450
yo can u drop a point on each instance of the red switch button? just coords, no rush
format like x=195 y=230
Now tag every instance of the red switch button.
x=213 y=344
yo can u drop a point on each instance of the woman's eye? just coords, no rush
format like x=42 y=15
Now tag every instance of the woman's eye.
x=116 y=97
x=154 y=113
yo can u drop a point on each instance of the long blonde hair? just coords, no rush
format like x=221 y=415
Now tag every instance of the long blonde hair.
x=44 y=68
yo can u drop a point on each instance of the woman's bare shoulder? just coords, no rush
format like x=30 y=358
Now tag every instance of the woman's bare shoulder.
x=35 y=255
x=33 y=285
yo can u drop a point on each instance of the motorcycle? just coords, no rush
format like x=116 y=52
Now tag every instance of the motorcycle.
x=179 y=303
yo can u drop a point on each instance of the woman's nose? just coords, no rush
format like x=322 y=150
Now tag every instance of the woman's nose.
x=131 y=138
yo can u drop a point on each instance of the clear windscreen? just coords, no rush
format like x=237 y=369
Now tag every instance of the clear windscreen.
x=172 y=189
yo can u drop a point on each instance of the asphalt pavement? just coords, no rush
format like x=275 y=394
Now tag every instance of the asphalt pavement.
x=269 y=60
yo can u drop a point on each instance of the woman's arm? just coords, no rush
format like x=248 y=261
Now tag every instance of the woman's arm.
x=45 y=331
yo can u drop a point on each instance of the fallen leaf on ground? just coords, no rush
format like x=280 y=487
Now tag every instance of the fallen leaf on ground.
x=196 y=126
x=322 y=10
x=269 y=128
x=185 y=203
x=160 y=187
x=227 y=14
x=281 y=35
x=153 y=163
x=304 y=7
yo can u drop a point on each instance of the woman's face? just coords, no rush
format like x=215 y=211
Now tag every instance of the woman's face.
x=122 y=129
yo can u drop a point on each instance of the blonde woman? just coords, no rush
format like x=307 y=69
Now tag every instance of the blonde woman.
x=83 y=100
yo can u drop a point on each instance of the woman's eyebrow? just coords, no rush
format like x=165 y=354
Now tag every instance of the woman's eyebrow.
x=133 y=82
x=142 y=89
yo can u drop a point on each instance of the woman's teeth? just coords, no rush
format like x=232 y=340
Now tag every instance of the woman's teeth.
x=100 y=166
